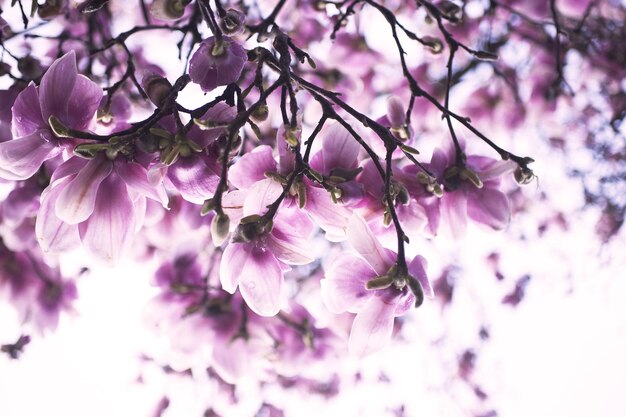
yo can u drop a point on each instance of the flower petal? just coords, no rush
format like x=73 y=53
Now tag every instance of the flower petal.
x=56 y=87
x=136 y=177
x=490 y=207
x=252 y=167
x=363 y=241
x=261 y=194
x=343 y=288
x=454 y=207
x=339 y=148
x=83 y=103
x=77 y=200
x=109 y=231
x=288 y=245
x=332 y=218
x=27 y=113
x=53 y=234
x=258 y=273
x=194 y=180
x=372 y=327
x=21 y=158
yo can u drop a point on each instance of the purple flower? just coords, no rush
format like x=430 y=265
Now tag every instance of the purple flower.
x=344 y=289
x=261 y=248
x=469 y=191
x=99 y=202
x=217 y=63
x=63 y=93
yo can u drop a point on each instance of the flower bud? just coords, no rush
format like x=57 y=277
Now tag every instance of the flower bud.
x=450 y=10
x=30 y=68
x=168 y=9
x=50 y=9
x=260 y=113
x=523 y=175
x=395 y=112
x=157 y=88
x=232 y=22
x=434 y=44
x=219 y=228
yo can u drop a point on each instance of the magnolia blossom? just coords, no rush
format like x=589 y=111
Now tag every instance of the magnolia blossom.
x=469 y=191
x=63 y=93
x=261 y=249
x=344 y=289
x=217 y=63
x=99 y=202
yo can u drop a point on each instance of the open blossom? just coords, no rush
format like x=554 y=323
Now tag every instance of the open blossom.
x=344 y=289
x=100 y=202
x=261 y=249
x=336 y=161
x=216 y=64
x=472 y=190
x=63 y=93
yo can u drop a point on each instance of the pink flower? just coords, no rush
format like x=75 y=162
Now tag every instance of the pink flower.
x=344 y=289
x=63 y=93
x=261 y=249
x=99 y=202
x=469 y=191
x=216 y=64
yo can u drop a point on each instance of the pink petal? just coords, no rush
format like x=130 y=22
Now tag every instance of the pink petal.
x=252 y=167
x=68 y=168
x=136 y=177
x=339 y=148
x=26 y=112
x=454 y=207
x=109 y=231
x=343 y=288
x=490 y=207
x=332 y=218
x=56 y=87
x=194 y=180
x=53 y=234
x=77 y=200
x=261 y=194
x=363 y=241
x=288 y=245
x=372 y=327
x=21 y=158
x=83 y=103
x=258 y=273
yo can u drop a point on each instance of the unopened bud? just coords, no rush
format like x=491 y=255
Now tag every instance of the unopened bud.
x=434 y=44
x=157 y=88
x=232 y=22
x=523 y=175
x=486 y=56
x=395 y=112
x=50 y=9
x=169 y=9
x=450 y=10
x=219 y=228
x=30 y=68
x=260 y=113
x=291 y=138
